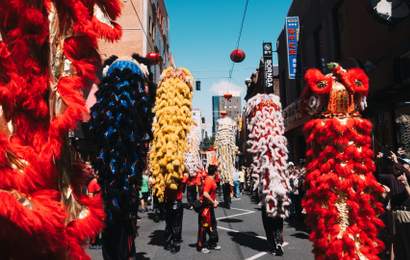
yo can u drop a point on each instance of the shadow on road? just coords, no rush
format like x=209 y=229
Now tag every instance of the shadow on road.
x=157 y=238
x=249 y=239
x=300 y=235
x=141 y=256
x=231 y=220
x=298 y=223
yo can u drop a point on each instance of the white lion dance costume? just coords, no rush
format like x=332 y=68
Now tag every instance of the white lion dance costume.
x=226 y=148
x=192 y=157
x=268 y=146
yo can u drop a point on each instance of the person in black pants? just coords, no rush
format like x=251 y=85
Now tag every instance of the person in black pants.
x=226 y=188
x=174 y=213
x=274 y=232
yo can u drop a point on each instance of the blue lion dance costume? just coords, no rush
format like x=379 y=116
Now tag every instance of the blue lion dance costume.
x=120 y=126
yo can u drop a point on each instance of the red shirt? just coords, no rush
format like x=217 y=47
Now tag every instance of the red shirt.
x=93 y=187
x=209 y=186
x=172 y=195
x=193 y=180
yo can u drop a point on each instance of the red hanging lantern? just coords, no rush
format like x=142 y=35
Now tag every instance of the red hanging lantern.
x=228 y=96
x=237 y=55
x=153 y=57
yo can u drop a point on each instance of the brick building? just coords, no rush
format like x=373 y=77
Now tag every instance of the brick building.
x=145 y=26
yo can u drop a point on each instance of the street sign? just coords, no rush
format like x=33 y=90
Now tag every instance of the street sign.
x=292 y=37
x=267 y=61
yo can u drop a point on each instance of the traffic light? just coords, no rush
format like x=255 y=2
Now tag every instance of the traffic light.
x=198 y=85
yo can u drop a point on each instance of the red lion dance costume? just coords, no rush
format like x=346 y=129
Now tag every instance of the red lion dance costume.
x=47 y=56
x=341 y=199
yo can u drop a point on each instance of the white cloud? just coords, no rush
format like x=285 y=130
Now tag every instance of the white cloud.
x=221 y=87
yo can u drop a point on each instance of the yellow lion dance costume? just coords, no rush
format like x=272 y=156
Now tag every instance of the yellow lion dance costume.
x=172 y=123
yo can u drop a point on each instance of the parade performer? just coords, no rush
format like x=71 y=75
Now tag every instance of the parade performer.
x=207 y=224
x=342 y=194
x=120 y=125
x=47 y=57
x=226 y=151
x=267 y=144
x=173 y=121
x=193 y=164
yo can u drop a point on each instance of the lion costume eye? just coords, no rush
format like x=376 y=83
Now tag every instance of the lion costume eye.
x=357 y=81
x=318 y=83
x=322 y=84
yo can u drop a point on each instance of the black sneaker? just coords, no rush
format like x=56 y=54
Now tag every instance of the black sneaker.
x=175 y=249
x=279 y=250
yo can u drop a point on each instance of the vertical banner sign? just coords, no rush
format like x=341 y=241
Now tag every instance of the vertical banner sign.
x=292 y=35
x=267 y=61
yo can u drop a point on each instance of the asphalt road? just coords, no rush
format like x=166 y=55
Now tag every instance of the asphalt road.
x=241 y=236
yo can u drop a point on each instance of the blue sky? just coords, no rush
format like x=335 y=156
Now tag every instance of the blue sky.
x=204 y=32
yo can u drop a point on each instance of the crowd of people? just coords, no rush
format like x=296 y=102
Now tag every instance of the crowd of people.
x=394 y=173
x=202 y=192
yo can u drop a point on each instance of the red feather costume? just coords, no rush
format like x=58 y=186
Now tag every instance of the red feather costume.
x=342 y=194
x=47 y=56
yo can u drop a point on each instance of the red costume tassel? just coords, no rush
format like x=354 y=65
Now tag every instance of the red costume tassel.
x=47 y=57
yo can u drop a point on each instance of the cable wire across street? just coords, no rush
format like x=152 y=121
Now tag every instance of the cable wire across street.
x=239 y=36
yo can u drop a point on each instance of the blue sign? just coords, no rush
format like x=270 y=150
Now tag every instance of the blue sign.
x=292 y=37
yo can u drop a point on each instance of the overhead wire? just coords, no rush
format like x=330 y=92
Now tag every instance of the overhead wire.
x=240 y=35
x=142 y=26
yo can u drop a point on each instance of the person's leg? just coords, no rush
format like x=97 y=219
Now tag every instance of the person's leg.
x=267 y=226
x=194 y=193
x=227 y=195
x=201 y=230
x=115 y=241
x=142 y=203
x=213 y=231
x=176 y=226
x=402 y=241
x=230 y=193
x=179 y=215
x=168 y=227
x=156 y=209
x=278 y=235
x=188 y=196
x=237 y=189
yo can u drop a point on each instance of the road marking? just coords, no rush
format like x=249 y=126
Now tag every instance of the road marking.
x=236 y=199
x=246 y=210
x=256 y=256
x=236 y=215
x=228 y=229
